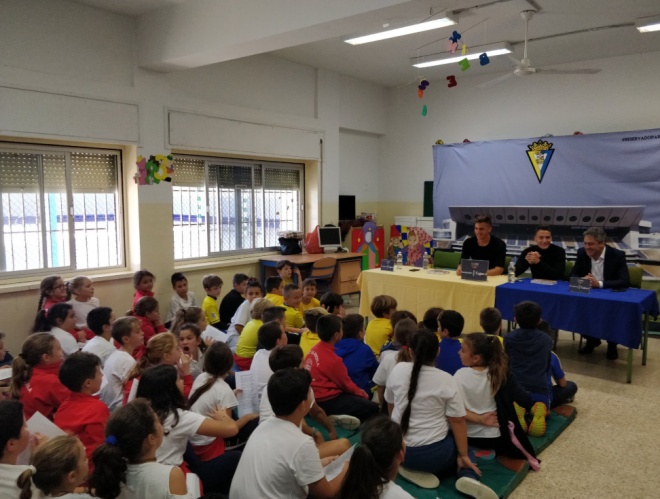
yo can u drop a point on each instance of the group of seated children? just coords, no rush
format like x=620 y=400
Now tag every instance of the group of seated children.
x=148 y=405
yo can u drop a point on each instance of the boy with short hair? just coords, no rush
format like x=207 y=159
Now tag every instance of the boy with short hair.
x=294 y=320
x=274 y=290
x=530 y=354
x=334 y=390
x=490 y=320
x=279 y=461
x=308 y=296
x=213 y=287
x=100 y=321
x=333 y=303
x=81 y=414
x=285 y=270
x=359 y=359
x=126 y=331
x=232 y=300
x=564 y=391
x=270 y=335
x=379 y=330
x=450 y=325
x=278 y=314
x=182 y=297
x=309 y=338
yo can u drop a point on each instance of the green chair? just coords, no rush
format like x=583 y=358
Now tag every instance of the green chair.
x=446 y=260
x=636 y=274
x=567 y=272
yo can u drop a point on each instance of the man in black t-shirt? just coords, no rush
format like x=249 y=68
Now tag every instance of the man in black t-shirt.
x=484 y=247
x=547 y=260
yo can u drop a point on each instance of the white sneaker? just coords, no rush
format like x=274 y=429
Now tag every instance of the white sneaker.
x=345 y=421
x=420 y=478
x=475 y=488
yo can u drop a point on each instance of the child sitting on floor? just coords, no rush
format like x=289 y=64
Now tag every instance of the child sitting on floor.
x=564 y=391
x=81 y=414
x=333 y=304
x=490 y=320
x=359 y=359
x=390 y=348
x=213 y=287
x=489 y=393
x=232 y=300
x=279 y=461
x=294 y=319
x=290 y=356
x=374 y=464
x=270 y=335
x=143 y=282
x=380 y=329
x=127 y=332
x=430 y=320
x=247 y=344
x=182 y=298
x=309 y=338
x=285 y=270
x=425 y=401
x=450 y=325
x=35 y=380
x=404 y=331
x=125 y=464
x=58 y=321
x=161 y=385
x=147 y=311
x=57 y=468
x=530 y=353
x=274 y=290
x=308 y=296
x=334 y=390
x=53 y=290
x=83 y=302
x=192 y=345
x=100 y=321
x=242 y=315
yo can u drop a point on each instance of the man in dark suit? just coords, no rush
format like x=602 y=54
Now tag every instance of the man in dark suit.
x=606 y=268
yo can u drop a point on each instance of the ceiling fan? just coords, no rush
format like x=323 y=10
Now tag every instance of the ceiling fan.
x=524 y=67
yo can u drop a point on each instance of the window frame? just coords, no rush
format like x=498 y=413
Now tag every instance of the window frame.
x=66 y=151
x=223 y=161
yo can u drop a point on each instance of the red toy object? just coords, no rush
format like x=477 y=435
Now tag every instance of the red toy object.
x=420 y=93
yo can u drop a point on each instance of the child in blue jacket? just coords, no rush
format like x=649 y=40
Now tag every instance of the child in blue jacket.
x=358 y=357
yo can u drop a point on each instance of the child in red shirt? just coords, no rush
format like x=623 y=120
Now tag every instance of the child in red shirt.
x=143 y=282
x=146 y=310
x=334 y=390
x=81 y=413
x=54 y=290
x=35 y=381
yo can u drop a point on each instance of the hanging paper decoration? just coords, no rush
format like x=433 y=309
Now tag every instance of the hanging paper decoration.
x=424 y=110
x=452 y=46
x=452 y=81
x=464 y=64
x=463 y=50
x=154 y=170
x=483 y=59
x=420 y=92
x=439 y=142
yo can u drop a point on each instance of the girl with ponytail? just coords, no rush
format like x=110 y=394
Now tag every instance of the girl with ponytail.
x=423 y=400
x=57 y=467
x=35 y=380
x=58 y=320
x=488 y=393
x=375 y=463
x=53 y=290
x=125 y=464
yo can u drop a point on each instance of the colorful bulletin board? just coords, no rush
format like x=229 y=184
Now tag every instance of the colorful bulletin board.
x=369 y=240
x=412 y=242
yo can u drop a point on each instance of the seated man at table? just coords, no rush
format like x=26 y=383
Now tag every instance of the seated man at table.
x=484 y=247
x=606 y=268
x=546 y=260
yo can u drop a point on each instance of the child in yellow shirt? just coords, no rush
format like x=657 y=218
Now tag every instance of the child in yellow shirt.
x=285 y=270
x=294 y=319
x=247 y=343
x=380 y=329
x=213 y=287
x=490 y=320
x=308 y=296
x=274 y=290
x=309 y=338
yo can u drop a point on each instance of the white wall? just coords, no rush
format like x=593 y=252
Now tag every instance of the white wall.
x=358 y=165
x=624 y=96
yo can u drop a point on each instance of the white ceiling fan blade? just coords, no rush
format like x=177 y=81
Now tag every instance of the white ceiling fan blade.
x=496 y=81
x=567 y=71
x=512 y=61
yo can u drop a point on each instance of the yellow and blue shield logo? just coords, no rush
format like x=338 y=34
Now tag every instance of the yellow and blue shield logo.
x=539 y=155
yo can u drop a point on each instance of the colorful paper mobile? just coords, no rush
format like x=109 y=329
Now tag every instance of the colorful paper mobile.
x=424 y=110
x=154 y=170
x=452 y=81
x=483 y=59
x=464 y=64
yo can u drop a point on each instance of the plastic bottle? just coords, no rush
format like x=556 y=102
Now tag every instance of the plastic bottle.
x=512 y=272
x=399 y=261
x=425 y=262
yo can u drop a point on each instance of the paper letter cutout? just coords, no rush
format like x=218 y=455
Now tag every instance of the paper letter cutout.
x=483 y=59
x=464 y=64
x=420 y=93
x=424 y=110
x=463 y=50
x=452 y=81
x=456 y=36
x=452 y=46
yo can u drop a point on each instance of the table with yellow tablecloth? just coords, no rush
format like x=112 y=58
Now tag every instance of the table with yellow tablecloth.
x=419 y=291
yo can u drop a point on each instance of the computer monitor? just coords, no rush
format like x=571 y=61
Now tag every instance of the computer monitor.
x=329 y=237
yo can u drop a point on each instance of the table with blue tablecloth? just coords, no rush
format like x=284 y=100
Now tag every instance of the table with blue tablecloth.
x=604 y=314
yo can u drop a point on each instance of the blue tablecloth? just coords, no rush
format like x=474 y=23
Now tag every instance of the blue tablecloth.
x=602 y=313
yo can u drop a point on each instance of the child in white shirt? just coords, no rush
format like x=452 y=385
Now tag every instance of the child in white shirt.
x=14 y=439
x=242 y=315
x=192 y=344
x=58 y=320
x=270 y=335
x=403 y=333
x=100 y=321
x=83 y=301
x=182 y=298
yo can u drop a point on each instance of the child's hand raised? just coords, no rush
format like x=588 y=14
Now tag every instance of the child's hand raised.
x=208 y=341
x=184 y=364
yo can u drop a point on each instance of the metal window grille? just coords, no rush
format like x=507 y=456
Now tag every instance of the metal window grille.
x=40 y=190
x=247 y=204
x=189 y=210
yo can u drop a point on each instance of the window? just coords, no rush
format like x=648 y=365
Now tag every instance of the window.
x=40 y=187
x=233 y=206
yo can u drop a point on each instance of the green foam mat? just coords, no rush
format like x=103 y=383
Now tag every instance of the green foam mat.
x=502 y=480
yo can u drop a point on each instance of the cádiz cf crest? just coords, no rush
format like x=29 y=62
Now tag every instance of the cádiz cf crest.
x=539 y=155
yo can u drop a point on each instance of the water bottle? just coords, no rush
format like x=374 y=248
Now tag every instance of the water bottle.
x=399 y=261
x=512 y=272
x=425 y=263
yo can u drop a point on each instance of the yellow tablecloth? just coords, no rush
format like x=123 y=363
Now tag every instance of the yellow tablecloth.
x=419 y=291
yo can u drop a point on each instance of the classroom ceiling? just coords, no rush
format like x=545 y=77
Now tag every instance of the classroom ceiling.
x=129 y=7
x=388 y=62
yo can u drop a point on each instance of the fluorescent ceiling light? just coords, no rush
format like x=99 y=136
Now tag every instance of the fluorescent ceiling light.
x=490 y=50
x=406 y=30
x=648 y=24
